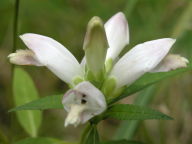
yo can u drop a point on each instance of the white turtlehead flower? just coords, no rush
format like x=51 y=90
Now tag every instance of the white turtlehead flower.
x=24 y=57
x=140 y=59
x=102 y=45
x=45 y=51
x=82 y=103
x=150 y=56
x=117 y=33
x=171 y=62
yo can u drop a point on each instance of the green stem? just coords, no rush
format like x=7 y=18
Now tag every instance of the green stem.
x=15 y=25
x=90 y=135
x=15 y=32
x=86 y=130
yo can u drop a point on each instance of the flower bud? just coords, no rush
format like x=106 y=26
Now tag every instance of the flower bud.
x=95 y=47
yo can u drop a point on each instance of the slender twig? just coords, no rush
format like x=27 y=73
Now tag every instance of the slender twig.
x=15 y=32
x=84 y=134
x=15 y=29
x=15 y=25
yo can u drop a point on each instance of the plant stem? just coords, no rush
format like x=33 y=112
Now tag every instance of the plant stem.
x=90 y=135
x=15 y=32
x=85 y=131
x=15 y=25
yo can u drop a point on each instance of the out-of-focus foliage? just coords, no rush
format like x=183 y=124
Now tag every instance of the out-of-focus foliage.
x=122 y=142
x=65 y=21
x=42 y=140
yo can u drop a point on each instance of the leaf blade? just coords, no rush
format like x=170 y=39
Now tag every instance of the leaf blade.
x=147 y=80
x=127 y=128
x=24 y=91
x=133 y=112
x=49 y=102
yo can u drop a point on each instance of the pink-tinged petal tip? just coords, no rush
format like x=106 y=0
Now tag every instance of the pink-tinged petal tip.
x=117 y=31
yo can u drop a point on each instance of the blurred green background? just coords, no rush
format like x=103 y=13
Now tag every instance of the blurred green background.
x=66 y=21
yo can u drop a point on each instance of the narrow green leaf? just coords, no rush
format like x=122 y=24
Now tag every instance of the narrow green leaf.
x=24 y=91
x=121 y=142
x=42 y=141
x=49 y=102
x=133 y=112
x=128 y=128
x=147 y=80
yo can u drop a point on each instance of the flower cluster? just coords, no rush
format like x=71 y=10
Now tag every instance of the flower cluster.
x=102 y=74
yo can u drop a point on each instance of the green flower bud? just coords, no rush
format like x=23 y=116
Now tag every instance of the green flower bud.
x=95 y=47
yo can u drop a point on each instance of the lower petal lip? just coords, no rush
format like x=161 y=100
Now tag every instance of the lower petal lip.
x=89 y=100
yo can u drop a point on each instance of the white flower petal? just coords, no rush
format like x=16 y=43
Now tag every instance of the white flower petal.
x=82 y=103
x=24 y=57
x=171 y=62
x=140 y=59
x=54 y=56
x=117 y=32
x=74 y=117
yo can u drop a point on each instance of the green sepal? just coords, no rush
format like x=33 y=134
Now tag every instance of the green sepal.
x=110 y=90
x=109 y=86
x=117 y=92
x=77 y=80
x=96 y=81
x=108 y=65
